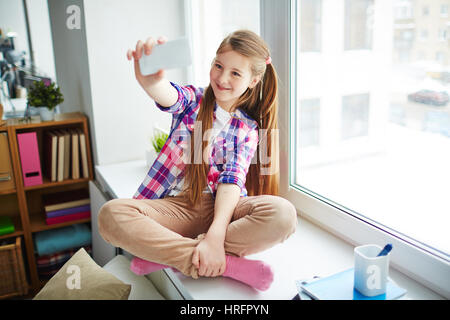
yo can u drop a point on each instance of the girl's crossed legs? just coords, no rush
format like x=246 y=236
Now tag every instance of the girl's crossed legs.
x=166 y=231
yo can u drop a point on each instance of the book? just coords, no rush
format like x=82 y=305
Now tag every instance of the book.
x=49 y=265
x=6 y=225
x=75 y=155
x=29 y=158
x=339 y=286
x=63 y=212
x=302 y=294
x=83 y=153
x=60 y=166
x=67 y=139
x=65 y=199
x=69 y=217
x=50 y=154
x=6 y=170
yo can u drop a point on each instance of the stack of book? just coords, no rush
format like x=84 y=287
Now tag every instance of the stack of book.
x=66 y=206
x=49 y=265
x=340 y=286
x=65 y=154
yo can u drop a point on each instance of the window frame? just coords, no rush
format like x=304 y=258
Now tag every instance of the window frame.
x=278 y=21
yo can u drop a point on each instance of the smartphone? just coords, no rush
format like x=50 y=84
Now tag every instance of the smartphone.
x=170 y=55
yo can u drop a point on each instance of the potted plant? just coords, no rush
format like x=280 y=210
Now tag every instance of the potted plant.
x=158 y=140
x=45 y=97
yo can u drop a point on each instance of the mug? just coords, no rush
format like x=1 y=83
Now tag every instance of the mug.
x=371 y=272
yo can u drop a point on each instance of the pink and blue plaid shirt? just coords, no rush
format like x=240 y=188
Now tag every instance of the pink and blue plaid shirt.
x=230 y=155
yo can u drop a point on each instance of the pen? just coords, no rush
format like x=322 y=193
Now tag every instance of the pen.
x=385 y=250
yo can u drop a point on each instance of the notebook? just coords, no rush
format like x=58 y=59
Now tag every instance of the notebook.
x=339 y=286
x=6 y=225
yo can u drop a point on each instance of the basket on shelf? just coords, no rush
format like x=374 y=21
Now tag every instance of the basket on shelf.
x=12 y=272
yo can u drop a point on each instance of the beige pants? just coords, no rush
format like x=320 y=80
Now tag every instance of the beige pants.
x=167 y=230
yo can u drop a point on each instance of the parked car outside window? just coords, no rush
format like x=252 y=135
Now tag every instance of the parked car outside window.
x=437 y=98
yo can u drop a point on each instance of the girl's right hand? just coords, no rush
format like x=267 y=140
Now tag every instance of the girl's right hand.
x=145 y=48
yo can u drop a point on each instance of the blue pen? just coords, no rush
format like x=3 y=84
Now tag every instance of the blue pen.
x=387 y=248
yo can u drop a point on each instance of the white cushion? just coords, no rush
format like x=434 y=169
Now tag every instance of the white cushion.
x=141 y=287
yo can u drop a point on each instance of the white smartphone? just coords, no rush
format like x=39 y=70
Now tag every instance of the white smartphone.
x=170 y=55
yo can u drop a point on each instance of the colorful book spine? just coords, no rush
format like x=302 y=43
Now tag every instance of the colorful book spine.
x=29 y=158
x=70 y=217
x=65 y=205
x=49 y=265
x=6 y=225
x=63 y=212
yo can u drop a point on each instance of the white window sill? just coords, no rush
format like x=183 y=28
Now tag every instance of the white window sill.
x=311 y=251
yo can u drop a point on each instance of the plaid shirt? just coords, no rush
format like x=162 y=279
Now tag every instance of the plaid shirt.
x=230 y=155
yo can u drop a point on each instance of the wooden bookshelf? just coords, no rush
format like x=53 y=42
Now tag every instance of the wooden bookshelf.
x=24 y=202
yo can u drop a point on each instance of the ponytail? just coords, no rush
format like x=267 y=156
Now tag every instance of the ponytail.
x=263 y=174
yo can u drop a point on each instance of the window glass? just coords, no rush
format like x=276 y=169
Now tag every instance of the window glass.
x=372 y=119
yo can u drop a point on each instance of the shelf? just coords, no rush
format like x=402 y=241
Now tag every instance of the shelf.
x=48 y=184
x=8 y=191
x=35 y=122
x=37 y=223
x=14 y=234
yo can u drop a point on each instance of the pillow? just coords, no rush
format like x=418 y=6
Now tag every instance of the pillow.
x=81 y=278
x=141 y=287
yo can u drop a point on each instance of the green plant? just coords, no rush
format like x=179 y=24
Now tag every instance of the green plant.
x=40 y=95
x=158 y=141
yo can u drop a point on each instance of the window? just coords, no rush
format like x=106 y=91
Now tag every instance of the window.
x=440 y=57
x=308 y=134
x=210 y=22
x=383 y=118
x=423 y=34
x=358 y=24
x=311 y=14
x=442 y=35
x=355 y=116
x=444 y=10
x=403 y=9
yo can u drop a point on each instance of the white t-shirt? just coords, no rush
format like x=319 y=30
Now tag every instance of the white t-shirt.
x=220 y=124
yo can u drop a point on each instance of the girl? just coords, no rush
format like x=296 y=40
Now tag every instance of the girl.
x=203 y=217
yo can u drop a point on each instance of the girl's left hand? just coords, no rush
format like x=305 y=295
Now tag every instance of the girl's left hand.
x=209 y=258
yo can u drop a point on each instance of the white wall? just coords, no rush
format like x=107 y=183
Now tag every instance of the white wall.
x=123 y=114
x=97 y=79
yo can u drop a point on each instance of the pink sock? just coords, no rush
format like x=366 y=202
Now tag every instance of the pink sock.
x=140 y=266
x=255 y=273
